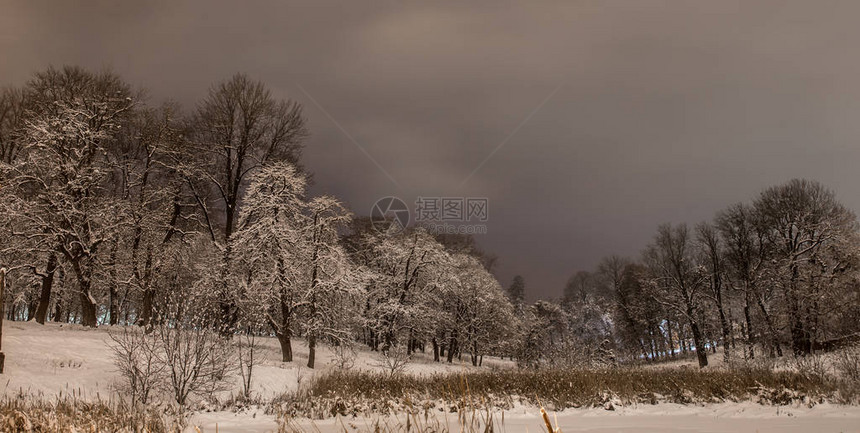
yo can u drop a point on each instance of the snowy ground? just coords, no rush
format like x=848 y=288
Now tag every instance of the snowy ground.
x=669 y=417
x=53 y=359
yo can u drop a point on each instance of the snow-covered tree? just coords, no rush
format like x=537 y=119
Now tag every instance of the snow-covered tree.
x=482 y=315
x=238 y=128
x=331 y=284
x=516 y=291
x=145 y=184
x=746 y=256
x=292 y=266
x=407 y=272
x=811 y=236
x=11 y=120
x=269 y=244
x=58 y=178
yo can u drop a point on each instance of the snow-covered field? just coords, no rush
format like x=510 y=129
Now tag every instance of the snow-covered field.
x=52 y=359
x=669 y=417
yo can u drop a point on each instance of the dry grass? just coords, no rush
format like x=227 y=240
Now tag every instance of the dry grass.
x=472 y=421
x=358 y=392
x=25 y=414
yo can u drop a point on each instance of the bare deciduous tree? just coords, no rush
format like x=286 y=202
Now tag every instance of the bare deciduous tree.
x=713 y=257
x=677 y=279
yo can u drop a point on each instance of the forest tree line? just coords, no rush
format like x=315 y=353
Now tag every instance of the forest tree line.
x=777 y=275
x=120 y=213
x=116 y=212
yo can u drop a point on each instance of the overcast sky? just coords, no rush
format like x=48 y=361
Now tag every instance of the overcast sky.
x=601 y=119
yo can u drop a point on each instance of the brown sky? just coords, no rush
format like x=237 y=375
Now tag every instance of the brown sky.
x=663 y=111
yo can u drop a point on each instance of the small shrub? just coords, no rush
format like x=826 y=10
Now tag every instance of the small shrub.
x=760 y=365
x=394 y=360
x=248 y=348
x=182 y=360
x=198 y=361
x=847 y=363
x=136 y=357
x=811 y=366
x=344 y=356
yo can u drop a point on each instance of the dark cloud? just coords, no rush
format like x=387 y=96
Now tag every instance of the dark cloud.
x=666 y=111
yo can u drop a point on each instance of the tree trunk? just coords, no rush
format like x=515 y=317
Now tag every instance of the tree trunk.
x=653 y=345
x=749 y=329
x=88 y=304
x=114 y=306
x=32 y=306
x=410 y=344
x=701 y=352
x=113 y=289
x=474 y=354
x=312 y=337
x=774 y=337
x=724 y=326
x=227 y=304
x=732 y=338
x=799 y=336
x=452 y=345
x=388 y=339
x=669 y=337
x=286 y=345
x=2 y=297
x=284 y=330
x=682 y=338
x=147 y=305
x=374 y=341
x=88 y=309
x=312 y=350
x=435 y=350
x=58 y=311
